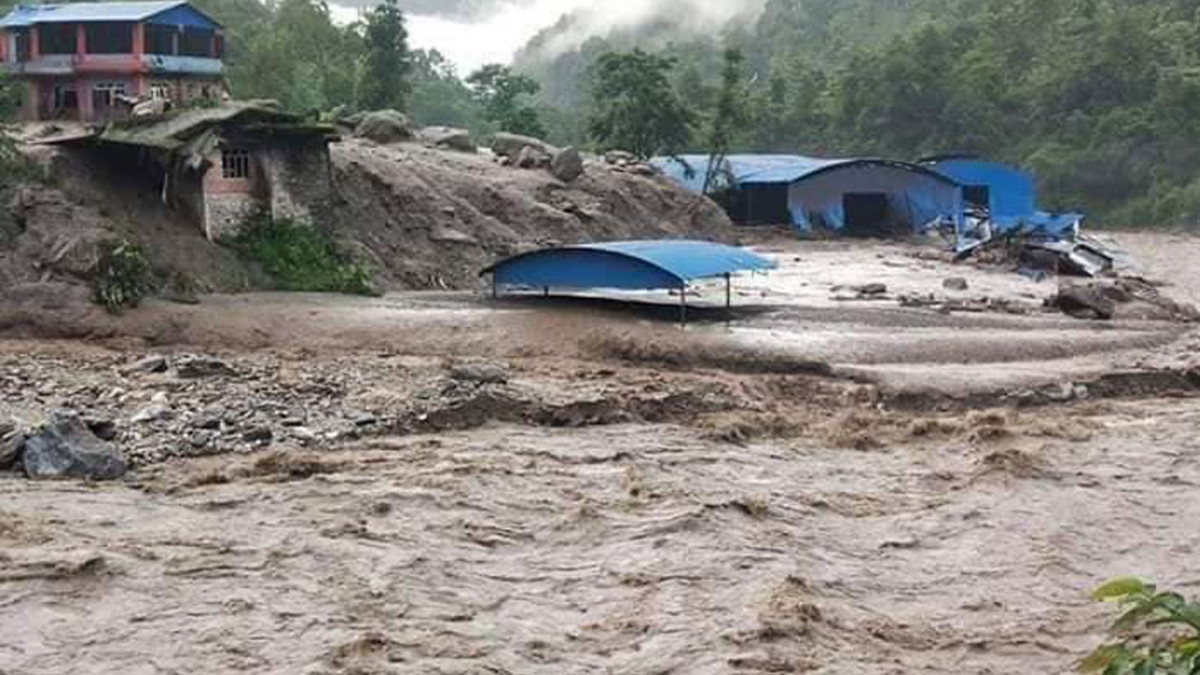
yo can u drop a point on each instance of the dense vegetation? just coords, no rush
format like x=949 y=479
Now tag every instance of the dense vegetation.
x=1100 y=98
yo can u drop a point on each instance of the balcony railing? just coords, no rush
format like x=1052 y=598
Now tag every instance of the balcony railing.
x=71 y=64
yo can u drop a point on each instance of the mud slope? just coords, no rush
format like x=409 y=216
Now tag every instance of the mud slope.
x=432 y=219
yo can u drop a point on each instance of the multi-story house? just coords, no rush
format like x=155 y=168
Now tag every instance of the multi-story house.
x=87 y=61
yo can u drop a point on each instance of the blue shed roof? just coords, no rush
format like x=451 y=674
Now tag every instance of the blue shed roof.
x=631 y=265
x=82 y=12
x=690 y=170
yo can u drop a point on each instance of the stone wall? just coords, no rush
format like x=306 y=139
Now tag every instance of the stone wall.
x=300 y=179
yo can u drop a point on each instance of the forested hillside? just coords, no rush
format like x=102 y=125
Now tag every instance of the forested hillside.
x=1100 y=97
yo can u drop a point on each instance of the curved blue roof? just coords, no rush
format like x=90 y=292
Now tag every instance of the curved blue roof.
x=690 y=170
x=628 y=265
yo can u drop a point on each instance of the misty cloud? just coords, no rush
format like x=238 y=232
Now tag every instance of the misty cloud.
x=474 y=32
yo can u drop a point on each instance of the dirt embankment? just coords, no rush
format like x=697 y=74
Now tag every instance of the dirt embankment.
x=433 y=219
x=424 y=218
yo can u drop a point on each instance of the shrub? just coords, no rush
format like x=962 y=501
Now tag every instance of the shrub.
x=301 y=258
x=123 y=276
x=1157 y=632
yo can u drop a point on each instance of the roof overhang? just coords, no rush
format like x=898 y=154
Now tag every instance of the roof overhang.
x=629 y=265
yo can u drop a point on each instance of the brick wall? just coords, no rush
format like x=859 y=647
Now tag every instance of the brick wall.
x=288 y=179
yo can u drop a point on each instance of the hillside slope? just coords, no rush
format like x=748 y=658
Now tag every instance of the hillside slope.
x=421 y=218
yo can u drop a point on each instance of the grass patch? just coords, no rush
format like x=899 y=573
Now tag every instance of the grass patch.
x=299 y=257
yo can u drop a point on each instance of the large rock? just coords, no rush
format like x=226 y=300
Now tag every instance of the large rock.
x=66 y=448
x=532 y=158
x=510 y=145
x=385 y=126
x=567 y=164
x=448 y=137
x=1084 y=302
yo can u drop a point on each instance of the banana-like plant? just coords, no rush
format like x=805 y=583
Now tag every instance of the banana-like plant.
x=1158 y=633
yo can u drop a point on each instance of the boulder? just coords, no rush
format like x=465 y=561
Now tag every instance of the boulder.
x=956 y=284
x=567 y=164
x=66 y=448
x=1084 y=302
x=448 y=137
x=532 y=158
x=510 y=145
x=385 y=126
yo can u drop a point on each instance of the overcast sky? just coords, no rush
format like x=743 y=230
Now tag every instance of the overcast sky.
x=474 y=32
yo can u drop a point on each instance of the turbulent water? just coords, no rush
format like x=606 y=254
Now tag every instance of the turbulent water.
x=625 y=497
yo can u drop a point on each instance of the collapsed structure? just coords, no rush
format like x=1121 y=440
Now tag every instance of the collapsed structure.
x=220 y=166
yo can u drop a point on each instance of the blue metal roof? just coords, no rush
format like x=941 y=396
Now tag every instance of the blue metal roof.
x=690 y=170
x=629 y=265
x=82 y=12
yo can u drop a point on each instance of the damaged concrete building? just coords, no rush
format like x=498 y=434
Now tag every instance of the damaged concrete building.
x=220 y=166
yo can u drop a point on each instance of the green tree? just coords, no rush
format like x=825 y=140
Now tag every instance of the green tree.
x=504 y=96
x=388 y=63
x=439 y=97
x=634 y=107
x=727 y=119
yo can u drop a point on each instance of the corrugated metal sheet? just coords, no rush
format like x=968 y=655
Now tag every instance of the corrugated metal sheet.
x=170 y=132
x=628 y=265
x=28 y=15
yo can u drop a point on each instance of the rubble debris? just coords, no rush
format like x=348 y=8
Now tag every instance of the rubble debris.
x=479 y=373
x=197 y=367
x=956 y=284
x=150 y=364
x=385 y=126
x=66 y=448
x=567 y=164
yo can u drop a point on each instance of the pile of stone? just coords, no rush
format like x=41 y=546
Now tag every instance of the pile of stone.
x=524 y=152
x=627 y=162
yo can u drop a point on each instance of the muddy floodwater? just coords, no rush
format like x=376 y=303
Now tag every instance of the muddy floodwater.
x=439 y=484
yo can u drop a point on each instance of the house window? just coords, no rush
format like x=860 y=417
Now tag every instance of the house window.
x=160 y=91
x=196 y=42
x=104 y=94
x=57 y=38
x=65 y=97
x=235 y=163
x=109 y=37
x=160 y=39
